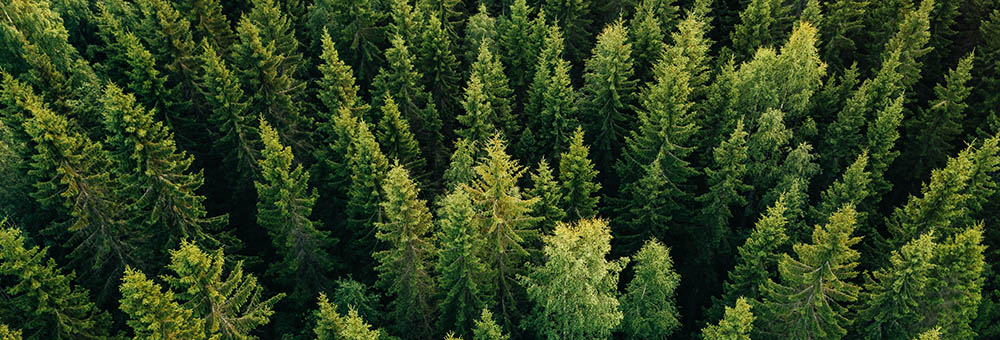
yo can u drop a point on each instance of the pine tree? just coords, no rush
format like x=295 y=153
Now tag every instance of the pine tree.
x=231 y=305
x=487 y=329
x=462 y=161
x=853 y=187
x=518 y=48
x=367 y=168
x=735 y=325
x=461 y=270
x=396 y=140
x=548 y=191
x=337 y=85
x=440 y=69
x=284 y=208
x=575 y=19
x=956 y=287
x=932 y=334
x=154 y=314
x=236 y=137
x=478 y=113
x=794 y=175
x=277 y=27
x=842 y=31
x=480 y=30
x=935 y=130
x=574 y=291
x=43 y=300
x=824 y=269
x=893 y=294
x=756 y=259
x=156 y=174
x=330 y=325
x=448 y=12
x=553 y=101
x=74 y=179
x=648 y=305
x=506 y=224
x=402 y=80
x=168 y=34
x=351 y=294
x=608 y=94
x=647 y=39
x=356 y=27
x=403 y=269
x=911 y=40
x=16 y=150
x=490 y=71
x=691 y=41
x=577 y=177
x=761 y=25
x=209 y=23
x=882 y=134
x=726 y=188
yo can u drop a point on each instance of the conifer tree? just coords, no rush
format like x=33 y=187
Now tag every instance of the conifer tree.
x=480 y=30
x=357 y=29
x=506 y=224
x=648 y=305
x=396 y=140
x=574 y=291
x=756 y=259
x=691 y=41
x=330 y=325
x=276 y=27
x=726 y=187
x=231 y=305
x=575 y=19
x=490 y=71
x=7 y=333
x=548 y=191
x=478 y=113
x=824 y=268
x=842 y=31
x=403 y=269
x=16 y=150
x=577 y=177
x=74 y=179
x=168 y=34
x=284 y=207
x=351 y=293
x=367 y=169
x=794 y=176
x=517 y=44
x=448 y=12
x=893 y=294
x=462 y=161
x=138 y=68
x=911 y=40
x=487 y=329
x=553 y=101
x=647 y=39
x=761 y=25
x=41 y=299
x=237 y=138
x=458 y=264
x=402 y=80
x=608 y=94
x=853 y=187
x=156 y=174
x=956 y=286
x=882 y=134
x=735 y=325
x=934 y=130
x=440 y=69
x=154 y=313
x=337 y=85
x=209 y=23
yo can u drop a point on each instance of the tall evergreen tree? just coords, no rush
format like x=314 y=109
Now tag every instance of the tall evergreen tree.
x=853 y=187
x=403 y=269
x=487 y=329
x=490 y=71
x=735 y=325
x=893 y=294
x=231 y=305
x=43 y=301
x=358 y=29
x=330 y=325
x=823 y=270
x=156 y=175
x=168 y=34
x=396 y=140
x=461 y=270
x=575 y=19
x=462 y=161
x=518 y=47
x=608 y=95
x=911 y=40
x=548 y=191
x=647 y=38
x=726 y=188
x=209 y=23
x=842 y=31
x=648 y=305
x=480 y=30
x=448 y=12
x=154 y=313
x=367 y=169
x=284 y=208
x=956 y=287
x=553 y=101
x=934 y=131
x=574 y=291
x=762 y=24
x=577 y=177
x=506 y=223
x=440 y=69
x=477 y=119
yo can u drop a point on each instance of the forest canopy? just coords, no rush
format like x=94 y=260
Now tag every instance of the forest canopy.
x=497 y=170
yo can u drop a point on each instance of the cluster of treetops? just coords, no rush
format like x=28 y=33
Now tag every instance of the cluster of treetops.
x=517 y=169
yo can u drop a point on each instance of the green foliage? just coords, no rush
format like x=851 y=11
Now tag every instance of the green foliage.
x=735 y=325
x=235 y=134
x=209 y=23
x=810 y=301
x=403 y=268
x=761 y=25
x=648 y=305
x=726 y=187
x=480 y=30
x=462 y=160
x=498 y=95
x=956 y=286
x=284 y=207
x=893 y=295
x=231 y=305
x=577 y=177
x=520 y=45
x=853 y=187
x=7 y=333
x=333 y=326
x=357 y=27
x=548 y=191
x=911 y=41
x=461 y=270
x=487 y=329
x=574 y=291
x=647 y=36
x=395 y=138
x=367 y=169
x=574 y=18
x=552 y=103
x=935 y=130
x=478 y=113
x=154 y=313
x=440 y=68
x=47 y=304
x=608 y=95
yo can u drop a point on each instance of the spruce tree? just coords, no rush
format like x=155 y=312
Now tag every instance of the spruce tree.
x=935 y=130
x=440 y=69
x=448 y=12
x=43 y=301
x=577 y=177
x=462 y=161
x=517 y=44
x=396 y=140
x=911 y=40
x=461 y=270
x=553 y=101
x=359 y=296
x=882 y=134
x=842 y=30
x=853 y=187
x=154 y=313
x=357 y=29
x=330 y=325
x=499 y=96
x=824 y=269
x=156 y=174
x=284 y=207
x=477 y=120
x=506 y=224
x=487 y=329
x=574 y=291
x=735 y=325
x=956 y=287
x=548 y=191
x=761 y=25
x=480 y=30
x=7 y=333
x=726 y=188
x=367 y=168
x=168 y=34
x=231 y=305
x=404 y=271
x=209 y=23
x=608 y=95
x=893 y=294
x=647 y=39
x=575 y=19
x=648 y=305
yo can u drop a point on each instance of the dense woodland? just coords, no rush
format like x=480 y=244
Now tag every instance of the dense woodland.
x=516 y=169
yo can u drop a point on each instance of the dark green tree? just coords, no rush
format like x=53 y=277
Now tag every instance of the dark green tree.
x=461 y=270
x=934 y=131
x=911 y=40
x=440 y=69
x=647 y=38
x=553 y=101
x=518 y=44
x=575 y=19
x=893 y=295
x=396 y=140
x=726 y=188
x=956 y=285
x=577 y=177
x=462 y=161
x=490 y=71
x=358 y=29
x=481 y=29
x=209 y=23
x=735 y=325
x=332 y=326
x=648 y=305
x=762 y=24
x=487 y=329
x=548 y=191
x=367 y=169
x=477 y=119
